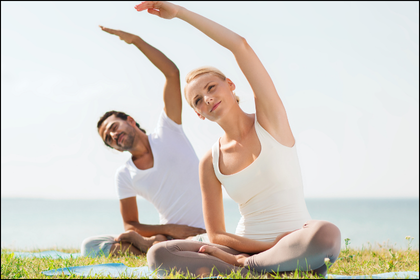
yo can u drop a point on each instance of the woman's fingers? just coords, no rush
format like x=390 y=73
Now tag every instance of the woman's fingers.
x=162 y=9
x=145 y=5
x=202 y=249
x=153 y=12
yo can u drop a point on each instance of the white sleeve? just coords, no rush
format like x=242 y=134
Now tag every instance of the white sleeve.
x=166 y=122
x=123 y=183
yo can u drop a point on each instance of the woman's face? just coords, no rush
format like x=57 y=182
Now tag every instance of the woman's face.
x=210 y=96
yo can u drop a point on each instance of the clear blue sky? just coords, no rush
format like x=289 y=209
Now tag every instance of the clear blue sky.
x=347 y=73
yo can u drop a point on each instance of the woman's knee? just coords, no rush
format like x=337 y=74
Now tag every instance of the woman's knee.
x=156 y=255
x=327 y=236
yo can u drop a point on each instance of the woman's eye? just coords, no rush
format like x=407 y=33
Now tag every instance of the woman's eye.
x=210 y=87
x=196 y=101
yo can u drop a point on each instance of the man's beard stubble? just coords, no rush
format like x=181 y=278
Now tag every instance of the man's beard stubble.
x=129 y=139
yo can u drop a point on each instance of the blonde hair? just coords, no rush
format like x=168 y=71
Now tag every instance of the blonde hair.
x=204 y=70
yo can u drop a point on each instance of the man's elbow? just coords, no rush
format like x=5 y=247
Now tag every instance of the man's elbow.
x=172 y=73
x=129 y=226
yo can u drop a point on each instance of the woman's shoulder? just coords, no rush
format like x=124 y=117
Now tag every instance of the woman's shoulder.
x=207 y=160
x=207 y=170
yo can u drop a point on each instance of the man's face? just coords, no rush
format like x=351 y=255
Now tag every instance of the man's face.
x=118 y=133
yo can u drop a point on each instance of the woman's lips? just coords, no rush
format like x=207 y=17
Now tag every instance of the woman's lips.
x=215 y=106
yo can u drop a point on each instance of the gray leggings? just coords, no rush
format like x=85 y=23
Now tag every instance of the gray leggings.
x=303 y=249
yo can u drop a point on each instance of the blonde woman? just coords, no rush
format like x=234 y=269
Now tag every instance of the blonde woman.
x=256 y=161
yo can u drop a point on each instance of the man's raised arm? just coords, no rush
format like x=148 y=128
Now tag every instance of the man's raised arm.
x=172 y=90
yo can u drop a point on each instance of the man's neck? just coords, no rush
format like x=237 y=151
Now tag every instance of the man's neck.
x=142 y=155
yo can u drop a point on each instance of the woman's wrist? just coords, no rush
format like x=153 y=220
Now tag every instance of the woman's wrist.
x=181 y=11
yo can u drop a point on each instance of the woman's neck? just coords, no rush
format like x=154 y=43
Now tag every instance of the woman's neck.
x=236 y=124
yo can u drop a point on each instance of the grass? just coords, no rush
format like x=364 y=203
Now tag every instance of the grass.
x=364 y=261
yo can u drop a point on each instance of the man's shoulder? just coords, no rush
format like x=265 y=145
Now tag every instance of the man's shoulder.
x=165 y=123
x=122 y=170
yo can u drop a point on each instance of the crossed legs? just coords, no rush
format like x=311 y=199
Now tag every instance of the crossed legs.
x=134 y=243
x=114 y=245
x=304 y=249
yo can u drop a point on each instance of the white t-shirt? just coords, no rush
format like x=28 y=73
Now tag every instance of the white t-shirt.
x=172 y=184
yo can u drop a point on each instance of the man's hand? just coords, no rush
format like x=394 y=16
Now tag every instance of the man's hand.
x=183 y=231
x=126 y=37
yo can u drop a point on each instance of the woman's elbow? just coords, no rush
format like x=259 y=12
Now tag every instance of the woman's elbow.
x=214 y=238
x=242 y=44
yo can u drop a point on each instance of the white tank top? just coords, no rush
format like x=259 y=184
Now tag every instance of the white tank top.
x=269 y=191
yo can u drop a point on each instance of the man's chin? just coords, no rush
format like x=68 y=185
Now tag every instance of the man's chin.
x=125 y=149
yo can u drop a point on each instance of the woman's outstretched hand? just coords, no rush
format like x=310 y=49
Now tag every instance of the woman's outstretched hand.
x=162 y=9
x=126 y=37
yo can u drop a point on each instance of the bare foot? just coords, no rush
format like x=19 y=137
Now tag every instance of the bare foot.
x=157 y=238
x=142 y=243
x=238 y=260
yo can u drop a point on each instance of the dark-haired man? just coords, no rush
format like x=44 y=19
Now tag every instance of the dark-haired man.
x=163 y=169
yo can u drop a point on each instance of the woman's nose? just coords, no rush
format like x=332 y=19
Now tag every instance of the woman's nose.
x=208 y=99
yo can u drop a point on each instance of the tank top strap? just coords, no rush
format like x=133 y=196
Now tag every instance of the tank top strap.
x=215 y=155
x=266 y=139
x=261 y=132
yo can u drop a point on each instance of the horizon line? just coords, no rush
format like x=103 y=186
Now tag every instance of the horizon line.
x=224 y=198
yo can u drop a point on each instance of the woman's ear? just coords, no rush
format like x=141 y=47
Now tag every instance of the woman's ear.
x=199 y=115
x=231 y=84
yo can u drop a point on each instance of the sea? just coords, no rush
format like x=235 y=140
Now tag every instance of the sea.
x=38 y=224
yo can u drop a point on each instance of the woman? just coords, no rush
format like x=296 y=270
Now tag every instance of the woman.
x=256 y=161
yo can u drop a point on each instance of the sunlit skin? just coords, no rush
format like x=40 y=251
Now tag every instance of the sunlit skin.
x=124 y=135
x=209 y=95
x=140 y=242
x=213 y=99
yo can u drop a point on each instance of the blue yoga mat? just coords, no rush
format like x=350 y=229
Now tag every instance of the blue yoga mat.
x=117 y=269
x=109 y=269
x=389 y=275
x=46 y=254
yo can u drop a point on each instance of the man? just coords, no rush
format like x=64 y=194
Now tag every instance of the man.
x=163 y=169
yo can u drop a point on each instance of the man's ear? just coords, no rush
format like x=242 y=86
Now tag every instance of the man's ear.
x=199 y=115
x=231 y=84
x=131 y=121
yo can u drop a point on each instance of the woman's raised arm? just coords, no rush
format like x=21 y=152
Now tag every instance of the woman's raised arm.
x=270 y=111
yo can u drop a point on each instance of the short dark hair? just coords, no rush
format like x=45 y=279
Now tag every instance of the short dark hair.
x=120 y=115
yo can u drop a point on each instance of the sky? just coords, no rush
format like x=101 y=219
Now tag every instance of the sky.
x=347 y=73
